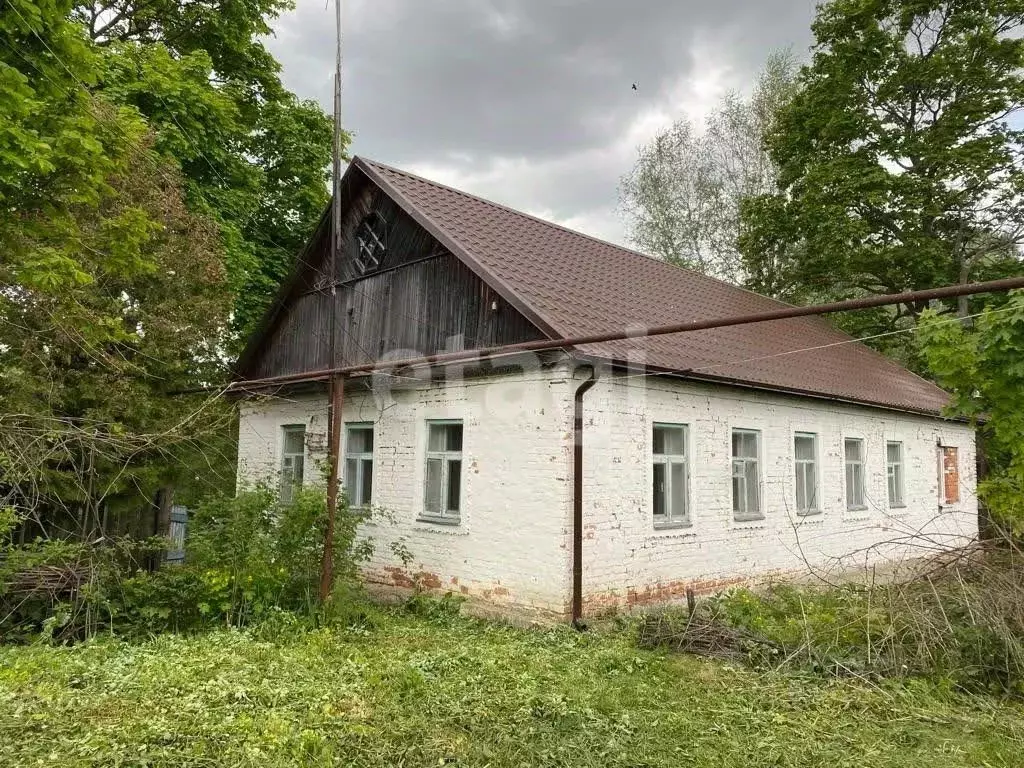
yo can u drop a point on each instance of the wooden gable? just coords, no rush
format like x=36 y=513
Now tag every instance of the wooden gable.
x=412 y=301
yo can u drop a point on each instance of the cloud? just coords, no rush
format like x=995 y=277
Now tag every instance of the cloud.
x=530 y=102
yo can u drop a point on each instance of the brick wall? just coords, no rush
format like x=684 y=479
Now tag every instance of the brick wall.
x=511 y=551
x=628 y=562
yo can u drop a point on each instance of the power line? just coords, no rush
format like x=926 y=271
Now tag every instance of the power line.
x=857 y=340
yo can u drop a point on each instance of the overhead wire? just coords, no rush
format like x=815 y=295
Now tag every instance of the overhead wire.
x=815 y=348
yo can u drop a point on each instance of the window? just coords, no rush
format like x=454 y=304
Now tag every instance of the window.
x=949 y=467
x=370 y=242
x=854 y=451
x=293 y=460
x=805 y=456
x=359 y=464
x=894 y=472
x=746 y=474
x=671 y=475
x=442 y=495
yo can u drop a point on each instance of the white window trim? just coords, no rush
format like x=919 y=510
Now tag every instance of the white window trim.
x=901 y=503
x=863 y=464
x=357 y=482
x=672 y=520
x=445 y=516
x=747 y=516
x=815 y=464
x=298 y=480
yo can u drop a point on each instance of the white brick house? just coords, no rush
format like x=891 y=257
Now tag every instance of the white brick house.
x=707 y=458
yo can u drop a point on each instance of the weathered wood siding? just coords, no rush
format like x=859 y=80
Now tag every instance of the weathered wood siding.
x=419 y=301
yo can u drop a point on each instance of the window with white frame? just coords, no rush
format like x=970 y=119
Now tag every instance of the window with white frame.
x=671 y=475
x=894 y=472
x=442 y=486
x=359 y=464
x=293 y=460
x=746 y=474
x=853 y=450
x=805 y=458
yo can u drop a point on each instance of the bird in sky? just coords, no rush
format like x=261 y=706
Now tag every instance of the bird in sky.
x=635 y=88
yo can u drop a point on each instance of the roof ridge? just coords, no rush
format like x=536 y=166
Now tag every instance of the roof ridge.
x=568 y=230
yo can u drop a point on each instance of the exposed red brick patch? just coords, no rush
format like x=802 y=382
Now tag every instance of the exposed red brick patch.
x=428 y=580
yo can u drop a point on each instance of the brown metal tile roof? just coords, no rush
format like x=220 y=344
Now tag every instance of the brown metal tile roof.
x=571 y=284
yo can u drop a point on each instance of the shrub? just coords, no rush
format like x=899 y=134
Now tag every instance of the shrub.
x=249 y=558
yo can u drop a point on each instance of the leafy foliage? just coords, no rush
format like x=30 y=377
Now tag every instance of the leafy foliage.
x=682 y=199
x=249 y=558
x=425 y=693
x=254 y=157
x=982 y=366
x=900 y=161
x=113 y=295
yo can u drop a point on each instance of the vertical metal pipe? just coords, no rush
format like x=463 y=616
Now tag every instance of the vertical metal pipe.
x=335 y=403
x=577 y=500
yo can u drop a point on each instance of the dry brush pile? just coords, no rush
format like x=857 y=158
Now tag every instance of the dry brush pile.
x=959 y=619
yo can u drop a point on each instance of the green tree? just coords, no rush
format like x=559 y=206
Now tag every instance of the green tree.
x=982 y=366
x=254 y=157
x=899 y=158
x=682 y=198
x=112 y=293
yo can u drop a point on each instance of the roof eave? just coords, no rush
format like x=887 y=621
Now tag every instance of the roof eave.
x=650 y=370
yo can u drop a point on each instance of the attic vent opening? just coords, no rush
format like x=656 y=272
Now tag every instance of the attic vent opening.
x=371 y=242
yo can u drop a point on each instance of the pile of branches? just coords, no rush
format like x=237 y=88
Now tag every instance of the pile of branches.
x=958 y=617
x=55 y=581
x=703 y=633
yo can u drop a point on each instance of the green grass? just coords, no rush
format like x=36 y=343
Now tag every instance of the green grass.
x=419 y=692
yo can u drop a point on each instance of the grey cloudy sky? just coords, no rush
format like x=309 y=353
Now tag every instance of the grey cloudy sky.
x=530 y=102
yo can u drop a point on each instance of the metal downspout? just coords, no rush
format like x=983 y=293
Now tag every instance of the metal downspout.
x=577 y=501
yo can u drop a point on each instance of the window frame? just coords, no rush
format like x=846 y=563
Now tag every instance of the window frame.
x=896 y=475
x=815 y=507
x=444 y=516
x=672 y=518
x=371 y=244
x=746 y=515
x=861 y=463
x=944 y=501
x=286 y=489
x=356 y=488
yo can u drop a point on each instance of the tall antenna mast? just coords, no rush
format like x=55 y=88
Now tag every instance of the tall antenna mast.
x=336 y=390
x=336 y=197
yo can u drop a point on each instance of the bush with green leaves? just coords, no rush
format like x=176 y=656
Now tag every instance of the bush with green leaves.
x=249 y=558
x=980 y=363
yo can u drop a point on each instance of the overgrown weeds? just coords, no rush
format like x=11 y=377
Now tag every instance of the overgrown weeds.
x=960 y=620
x=250 y=558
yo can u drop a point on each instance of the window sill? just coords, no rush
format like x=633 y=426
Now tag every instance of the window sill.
x=808 y=513
x=451 y=522
x=857 y=509
x=749 y=517
x=672 y=525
